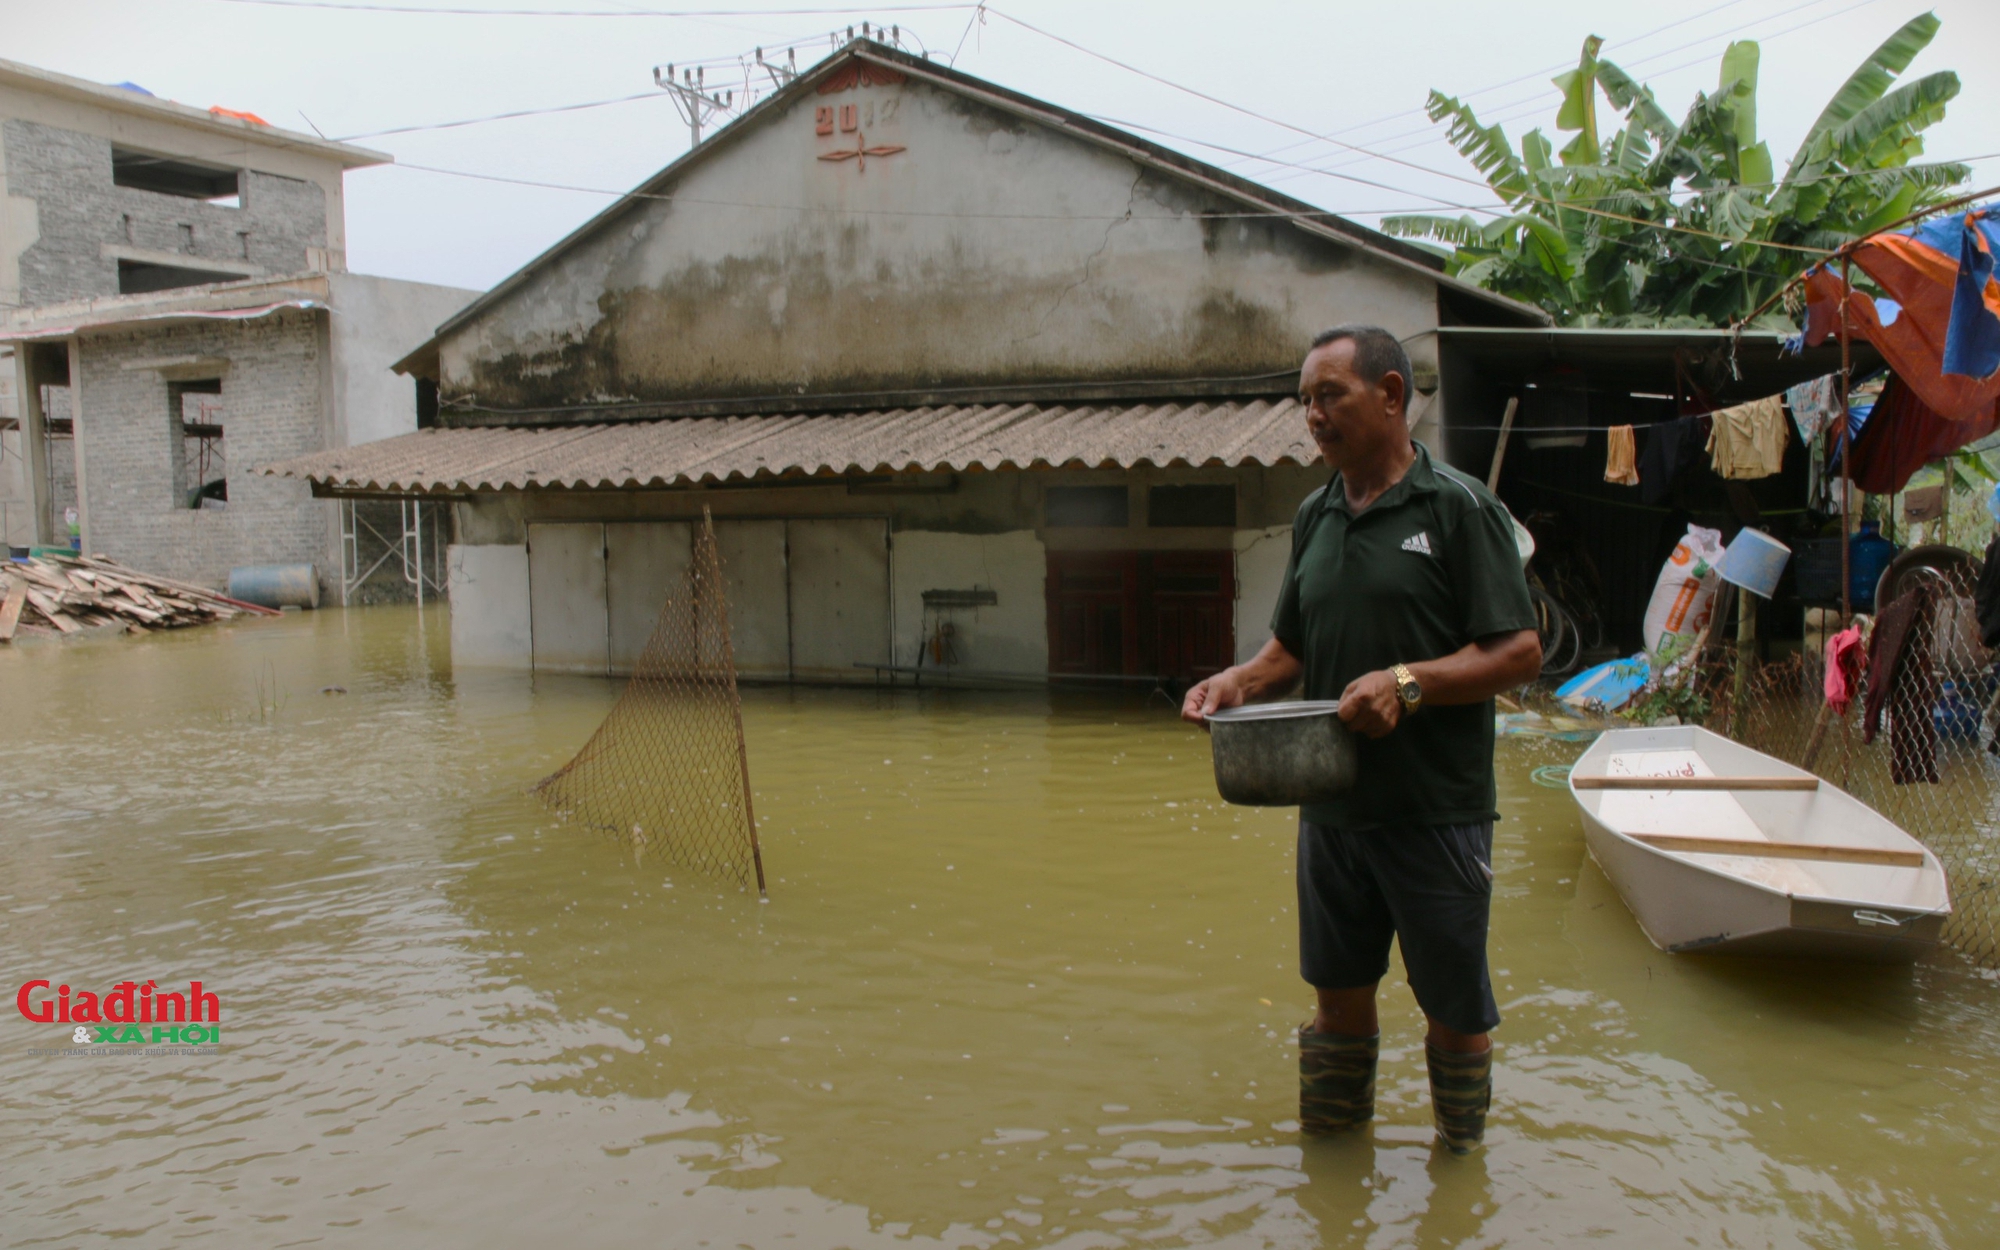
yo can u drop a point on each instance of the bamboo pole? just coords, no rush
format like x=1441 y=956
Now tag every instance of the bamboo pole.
x=1846 y=448
x=1845 y=249
x=1746 y=643
x=736 y=707
x=1500 y=444
x=1820 y=722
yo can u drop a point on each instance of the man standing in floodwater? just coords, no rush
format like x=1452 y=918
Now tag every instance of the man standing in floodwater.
x=1404 y=599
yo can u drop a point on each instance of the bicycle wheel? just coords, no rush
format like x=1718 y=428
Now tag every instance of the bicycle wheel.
x=1562 y=641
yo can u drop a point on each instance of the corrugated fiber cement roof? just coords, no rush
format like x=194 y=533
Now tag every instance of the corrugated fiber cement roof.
x=701 y=450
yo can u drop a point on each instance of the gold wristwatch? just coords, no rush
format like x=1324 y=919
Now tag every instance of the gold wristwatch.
x=1407 y=690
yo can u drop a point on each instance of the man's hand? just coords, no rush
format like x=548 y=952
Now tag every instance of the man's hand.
x=1224 y=690
x=1369 y=705
x=1266 y=675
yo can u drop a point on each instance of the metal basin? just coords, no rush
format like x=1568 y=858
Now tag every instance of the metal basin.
x=1282 y=754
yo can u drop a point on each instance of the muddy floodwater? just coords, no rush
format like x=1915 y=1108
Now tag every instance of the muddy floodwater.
x=1022 y=979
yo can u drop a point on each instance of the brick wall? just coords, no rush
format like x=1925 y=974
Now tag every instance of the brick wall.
x=273 y=408
x=80 y=210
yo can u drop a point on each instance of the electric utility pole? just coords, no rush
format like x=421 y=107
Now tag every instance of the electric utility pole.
x=692 y=98
x=780 y=74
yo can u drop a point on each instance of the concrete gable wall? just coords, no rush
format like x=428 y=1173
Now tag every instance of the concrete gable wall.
x=376 y=322
x=987 y=250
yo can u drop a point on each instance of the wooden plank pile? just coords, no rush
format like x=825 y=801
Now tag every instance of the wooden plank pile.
x=70 y=595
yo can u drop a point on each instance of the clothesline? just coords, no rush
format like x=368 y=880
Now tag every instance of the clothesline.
x=1654 y=508
x=1533 y=431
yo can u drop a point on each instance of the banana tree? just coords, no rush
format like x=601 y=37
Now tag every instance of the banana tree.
x=1649 y=222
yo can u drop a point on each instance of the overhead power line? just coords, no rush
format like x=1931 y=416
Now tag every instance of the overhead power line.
x=1298 y=167
x=1394 y=160
x=780 y=65
x=1556 y=68
x=1505 y=113
x=1281 y=214
x=501 y=117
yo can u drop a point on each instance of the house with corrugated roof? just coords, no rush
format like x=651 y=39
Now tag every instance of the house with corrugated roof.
x=968 y=381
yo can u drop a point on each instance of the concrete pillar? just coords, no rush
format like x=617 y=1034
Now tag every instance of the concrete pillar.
x=34 y=439
x=76 y=417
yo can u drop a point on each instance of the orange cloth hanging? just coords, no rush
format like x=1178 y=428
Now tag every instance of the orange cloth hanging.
x=1913 y=339
x=1621 y=456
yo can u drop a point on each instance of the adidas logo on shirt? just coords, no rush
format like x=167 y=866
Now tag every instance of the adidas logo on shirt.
x=1419 y=542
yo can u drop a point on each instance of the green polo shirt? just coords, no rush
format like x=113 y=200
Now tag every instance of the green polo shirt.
x=1427 y=568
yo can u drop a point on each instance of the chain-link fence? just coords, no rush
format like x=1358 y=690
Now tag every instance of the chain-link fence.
x=667 y=773
x=1917 y=742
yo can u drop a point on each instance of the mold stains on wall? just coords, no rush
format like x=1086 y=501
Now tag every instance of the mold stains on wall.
x=1232 y=328
x=997 y=252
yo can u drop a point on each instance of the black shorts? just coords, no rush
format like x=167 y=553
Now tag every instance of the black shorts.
x=1428 y=886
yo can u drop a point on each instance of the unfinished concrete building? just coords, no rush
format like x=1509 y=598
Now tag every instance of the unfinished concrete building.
x=177 y=310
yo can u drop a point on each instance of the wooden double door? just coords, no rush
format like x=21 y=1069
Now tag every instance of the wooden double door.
x=1142 y=613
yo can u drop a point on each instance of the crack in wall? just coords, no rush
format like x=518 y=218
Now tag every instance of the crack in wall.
x=1131 y=198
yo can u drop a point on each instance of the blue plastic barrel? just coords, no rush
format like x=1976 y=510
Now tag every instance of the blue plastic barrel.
x=1868 y=554
x=276 y=585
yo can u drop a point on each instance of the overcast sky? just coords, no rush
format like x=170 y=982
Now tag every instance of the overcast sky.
x=1356 y=72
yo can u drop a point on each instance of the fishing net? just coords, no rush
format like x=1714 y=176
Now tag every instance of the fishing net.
x=1933 y=764
x=667 y=773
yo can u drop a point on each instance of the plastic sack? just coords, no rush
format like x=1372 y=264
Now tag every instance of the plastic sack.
x=1684 y=595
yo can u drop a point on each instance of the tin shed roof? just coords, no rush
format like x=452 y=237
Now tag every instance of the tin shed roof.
x=706 y=450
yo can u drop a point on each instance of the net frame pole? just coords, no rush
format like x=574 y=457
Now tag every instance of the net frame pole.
x=736 y=707
x=1846 y=452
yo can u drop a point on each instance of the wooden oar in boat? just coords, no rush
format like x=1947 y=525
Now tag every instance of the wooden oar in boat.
x=1751 y=848
x=1695 y=783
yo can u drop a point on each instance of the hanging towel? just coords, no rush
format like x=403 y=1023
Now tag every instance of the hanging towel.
x=1814 y=405
x=1844 y=661
x=1748 y=441
x=1621 y=456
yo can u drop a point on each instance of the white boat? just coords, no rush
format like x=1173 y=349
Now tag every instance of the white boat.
x=1718 y=847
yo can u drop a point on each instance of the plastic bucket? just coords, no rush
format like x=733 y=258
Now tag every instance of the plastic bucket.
x=1754 y=560
x=1524 y=541
x=276 y=585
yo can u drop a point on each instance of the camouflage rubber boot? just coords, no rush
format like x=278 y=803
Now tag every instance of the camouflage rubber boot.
x=1336 y=1080
x=1461 y=1090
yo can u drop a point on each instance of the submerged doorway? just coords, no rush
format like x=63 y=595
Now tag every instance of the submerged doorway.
x=1142 y=613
